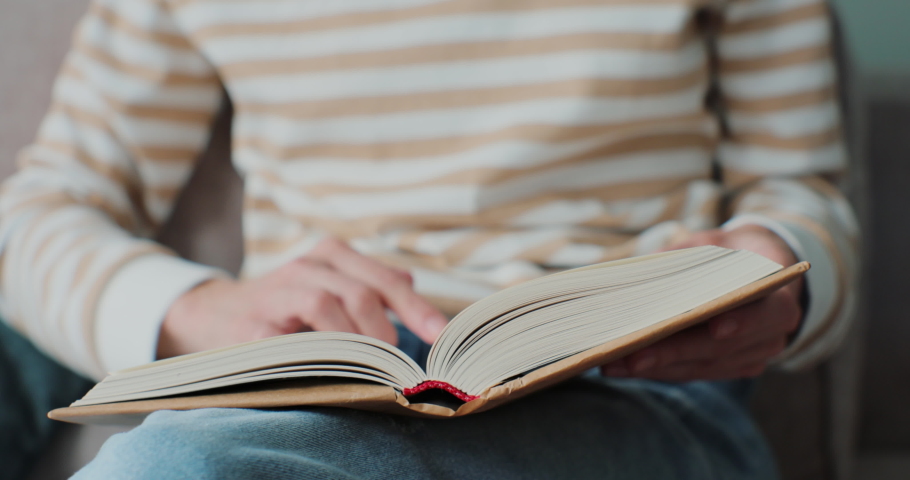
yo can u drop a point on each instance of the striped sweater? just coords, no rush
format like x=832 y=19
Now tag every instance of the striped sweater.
x=478 y=143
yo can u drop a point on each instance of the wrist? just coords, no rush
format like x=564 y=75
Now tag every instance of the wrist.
x=183 y=323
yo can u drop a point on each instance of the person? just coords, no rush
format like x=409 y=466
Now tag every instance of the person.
x=416 y=156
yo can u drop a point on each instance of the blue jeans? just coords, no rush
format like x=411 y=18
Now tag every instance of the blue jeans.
x=31 y=384
x=587 y=428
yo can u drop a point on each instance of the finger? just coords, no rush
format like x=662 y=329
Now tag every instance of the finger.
x=777 y=314
x=415 y=312
x=689 y=345
x=700 y=343
x=749 y=362
x=319 y=309
x=362 y=304
x=697 y=239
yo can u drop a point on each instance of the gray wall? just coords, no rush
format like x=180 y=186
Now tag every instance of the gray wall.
x=879 y=35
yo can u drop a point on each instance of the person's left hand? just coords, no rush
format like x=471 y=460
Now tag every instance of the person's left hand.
x=734 y=344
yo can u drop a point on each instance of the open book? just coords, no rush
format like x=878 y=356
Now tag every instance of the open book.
x=507 y=345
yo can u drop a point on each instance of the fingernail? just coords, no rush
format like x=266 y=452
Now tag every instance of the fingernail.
x=727 y=329
x=617 y=371
x=435 y=324
x=644 y=362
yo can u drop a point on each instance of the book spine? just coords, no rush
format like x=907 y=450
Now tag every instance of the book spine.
x=431 y=384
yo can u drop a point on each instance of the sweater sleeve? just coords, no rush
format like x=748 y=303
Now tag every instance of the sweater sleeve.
x=782 y=156
x=130 y=112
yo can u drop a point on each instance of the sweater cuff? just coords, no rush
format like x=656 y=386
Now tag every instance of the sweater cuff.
x=821 y=281
x=134 y=303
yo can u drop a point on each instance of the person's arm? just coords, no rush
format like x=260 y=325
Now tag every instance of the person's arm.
x=783 y=155
x=131 y=111
x=780 y=154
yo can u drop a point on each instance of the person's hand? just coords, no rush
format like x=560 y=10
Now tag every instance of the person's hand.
x=735 y=344
x=332 y=288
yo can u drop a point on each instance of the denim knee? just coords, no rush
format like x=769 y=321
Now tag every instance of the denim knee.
x=215 y=443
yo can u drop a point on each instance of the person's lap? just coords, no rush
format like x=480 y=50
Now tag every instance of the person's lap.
x=31 y=384
x=586 y=428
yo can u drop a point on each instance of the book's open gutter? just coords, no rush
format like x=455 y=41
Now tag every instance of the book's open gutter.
x=494 y=340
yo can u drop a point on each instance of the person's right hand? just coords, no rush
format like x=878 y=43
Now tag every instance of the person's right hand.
x=333 y=288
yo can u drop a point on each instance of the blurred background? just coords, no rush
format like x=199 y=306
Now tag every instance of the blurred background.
x=848 y=419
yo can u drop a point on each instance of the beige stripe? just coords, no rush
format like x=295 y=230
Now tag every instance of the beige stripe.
x=456 y=254
x=152 y=112
x=166 y=193
x=769 y=22
x=459 y=52
x=409 y=240
x=450 y=145
x=624 y=250
x=796 y=57
x=32 y=225
x=122 y=24
x=786 y=102
x=825 y=185
x=157 y=77
x=441 y=100
x=496 y=176
x=497 y=216
x=49 y=275
x=272 y=245
x=822 y=234
x=805 y=142
x=80 y=115
x=734 y=179
x=541 y=253
x=123 y=218
x=438 y=9
x=83 y=266
x=113 y=173
x=149 y=111
x=675 y=201
x=448 y=306
x=43 y=201
x=165 y=154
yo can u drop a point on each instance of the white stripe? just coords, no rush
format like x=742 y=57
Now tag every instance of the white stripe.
x=77 y=181
x=164 y=174
x=469 y=121
x=152 y=132
x=560 y=212
x=640 y=213
x=507 y=154
x=790 y=123
x=428 y=282
x=576 y=255
x=146 y=15
x=781 y=81
x=700 y=193
x=130 y=49
x=511 y=155
x=59 y=127
x=809 y=33
x=769 y=161
x=437 y=242
x=503 y=248
x=461 y=75
x=72 y=91
x=468 y=199
x=450 y=29
x=129 y=89
x=259 y=225
x=198 y=15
